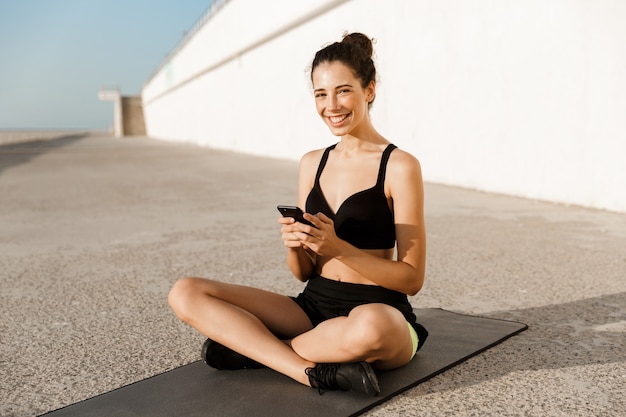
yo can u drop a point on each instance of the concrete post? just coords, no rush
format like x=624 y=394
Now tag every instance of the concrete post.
x=127 y=113
x=113 y=94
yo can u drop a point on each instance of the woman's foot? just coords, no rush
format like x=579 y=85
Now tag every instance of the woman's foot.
x=219 y=356
x=358 y=377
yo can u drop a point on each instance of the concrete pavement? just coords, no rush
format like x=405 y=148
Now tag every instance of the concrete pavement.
x=94 y=231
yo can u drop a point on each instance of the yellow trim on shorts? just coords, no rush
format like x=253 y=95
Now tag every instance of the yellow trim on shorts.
x=414 y=339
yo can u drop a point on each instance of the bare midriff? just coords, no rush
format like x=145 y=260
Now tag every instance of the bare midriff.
x=334 y=269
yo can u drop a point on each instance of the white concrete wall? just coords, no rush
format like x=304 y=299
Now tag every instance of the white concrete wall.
x=518 y=97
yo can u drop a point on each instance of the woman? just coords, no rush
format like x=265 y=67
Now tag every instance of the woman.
x=362 y=196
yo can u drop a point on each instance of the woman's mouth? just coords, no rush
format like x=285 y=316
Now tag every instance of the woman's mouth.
x=337 y=121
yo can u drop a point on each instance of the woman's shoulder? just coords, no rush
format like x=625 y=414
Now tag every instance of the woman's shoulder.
x=314 y=154
x=404 y=173
x=312 y=158
x=401 y=160
x=403 y=167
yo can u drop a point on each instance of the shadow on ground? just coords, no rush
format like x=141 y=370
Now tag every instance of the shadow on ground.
x=561 y=336
x=14 y=154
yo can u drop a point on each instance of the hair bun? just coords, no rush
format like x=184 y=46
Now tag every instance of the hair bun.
x=360 y=41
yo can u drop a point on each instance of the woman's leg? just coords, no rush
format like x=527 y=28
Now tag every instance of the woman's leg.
x=247 y=320
x=375 y=333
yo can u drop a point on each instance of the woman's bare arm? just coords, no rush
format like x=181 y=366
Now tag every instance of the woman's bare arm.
x=301 y=260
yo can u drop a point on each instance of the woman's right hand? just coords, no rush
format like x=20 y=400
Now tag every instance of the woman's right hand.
x=300 y=259
x=291 y=232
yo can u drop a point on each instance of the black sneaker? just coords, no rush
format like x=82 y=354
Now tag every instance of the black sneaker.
x=358 y=377
x=219 y=356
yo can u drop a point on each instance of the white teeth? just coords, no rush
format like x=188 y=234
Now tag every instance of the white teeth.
x=337 y=119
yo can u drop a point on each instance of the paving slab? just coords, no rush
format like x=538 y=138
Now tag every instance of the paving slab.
x=94 y=230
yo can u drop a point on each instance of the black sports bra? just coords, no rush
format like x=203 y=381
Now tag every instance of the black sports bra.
x=363 y=219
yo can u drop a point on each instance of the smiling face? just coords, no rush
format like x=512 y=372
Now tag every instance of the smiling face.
x=340 y=99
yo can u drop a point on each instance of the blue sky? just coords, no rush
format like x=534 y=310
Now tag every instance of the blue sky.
x=56 y=54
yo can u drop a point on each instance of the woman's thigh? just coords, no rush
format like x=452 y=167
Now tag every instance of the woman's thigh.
x=279 y=313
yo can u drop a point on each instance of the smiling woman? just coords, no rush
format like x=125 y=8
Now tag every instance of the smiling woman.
x=364 y=201
x=340 y=103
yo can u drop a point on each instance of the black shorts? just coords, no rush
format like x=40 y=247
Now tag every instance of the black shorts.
x=324 y=299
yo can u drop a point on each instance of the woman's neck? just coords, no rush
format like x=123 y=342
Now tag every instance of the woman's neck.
x=362 y=142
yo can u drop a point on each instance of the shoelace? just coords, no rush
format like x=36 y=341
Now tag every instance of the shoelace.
x=325 y=376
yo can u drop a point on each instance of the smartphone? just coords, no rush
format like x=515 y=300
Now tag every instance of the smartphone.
x=295 y=212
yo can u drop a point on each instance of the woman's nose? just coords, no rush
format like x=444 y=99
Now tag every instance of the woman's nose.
x=333 y=103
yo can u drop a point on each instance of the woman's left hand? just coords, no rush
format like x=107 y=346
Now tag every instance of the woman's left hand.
x=322 y=239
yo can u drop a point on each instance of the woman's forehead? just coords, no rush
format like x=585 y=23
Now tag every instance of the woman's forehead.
x=332 y=74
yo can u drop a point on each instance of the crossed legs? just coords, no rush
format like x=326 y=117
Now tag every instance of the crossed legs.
x=273 y=330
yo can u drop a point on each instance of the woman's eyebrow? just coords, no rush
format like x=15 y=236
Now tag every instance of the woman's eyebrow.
x=336 y=88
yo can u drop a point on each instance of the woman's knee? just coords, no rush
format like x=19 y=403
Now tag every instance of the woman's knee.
x=181 y=296
x=369 y=327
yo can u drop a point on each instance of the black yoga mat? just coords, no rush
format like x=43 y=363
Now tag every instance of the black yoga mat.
x=197 y=390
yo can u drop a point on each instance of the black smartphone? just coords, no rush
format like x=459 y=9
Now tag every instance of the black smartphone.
x=295 y=212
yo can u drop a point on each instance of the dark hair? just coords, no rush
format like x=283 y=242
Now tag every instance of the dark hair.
x=355 y=51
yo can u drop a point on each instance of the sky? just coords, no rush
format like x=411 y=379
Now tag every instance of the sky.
x=56 y=54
